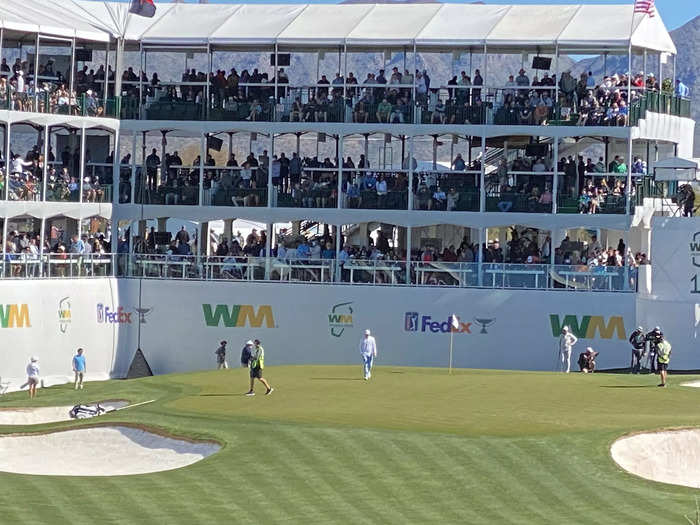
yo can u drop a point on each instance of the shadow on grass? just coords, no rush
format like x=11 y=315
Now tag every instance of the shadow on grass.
x=220 y=395
x=627 y=386
x=336 y=379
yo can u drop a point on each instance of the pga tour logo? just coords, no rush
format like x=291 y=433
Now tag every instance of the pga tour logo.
x=108 y=316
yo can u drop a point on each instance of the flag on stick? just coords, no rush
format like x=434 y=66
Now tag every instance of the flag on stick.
x=454 y=323
x=645 y=6
x=143 y=8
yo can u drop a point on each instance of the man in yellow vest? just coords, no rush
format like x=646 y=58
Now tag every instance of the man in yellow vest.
x=256 y=364
x=663 y=357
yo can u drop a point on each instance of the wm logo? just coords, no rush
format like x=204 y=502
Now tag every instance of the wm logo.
x=589 y=325
x=238 y=315
x=14 y=316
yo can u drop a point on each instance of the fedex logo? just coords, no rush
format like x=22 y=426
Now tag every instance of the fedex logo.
x=414 y=322
x=118 y=316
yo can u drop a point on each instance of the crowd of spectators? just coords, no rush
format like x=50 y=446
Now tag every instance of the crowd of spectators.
x=51 y=89
x=26 y=177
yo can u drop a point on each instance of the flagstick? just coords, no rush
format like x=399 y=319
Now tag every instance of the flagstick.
x=452 y=333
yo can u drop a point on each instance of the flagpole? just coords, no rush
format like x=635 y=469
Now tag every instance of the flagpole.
x=452 y=334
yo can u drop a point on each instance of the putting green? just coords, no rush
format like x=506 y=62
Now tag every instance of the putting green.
x=410 y=446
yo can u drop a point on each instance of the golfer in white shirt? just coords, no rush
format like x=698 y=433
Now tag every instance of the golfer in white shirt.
x=567 y=340
x=368 y=350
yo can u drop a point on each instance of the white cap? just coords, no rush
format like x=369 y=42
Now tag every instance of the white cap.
x=249 y=343
x=33 y=359
x=367 y=332
x=589 y=350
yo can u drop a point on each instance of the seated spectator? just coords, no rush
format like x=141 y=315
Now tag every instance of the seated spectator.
x=383 y=111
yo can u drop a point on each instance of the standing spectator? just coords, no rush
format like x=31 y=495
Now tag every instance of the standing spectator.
x=152 y=163
x=567 y=340
x=33 y=376
x=79 y=368
x=257 y=364
x=663 y=358
x=182 y=237
x=638 y=342
x=368 y=350
x=221 y=356
x=681 y=89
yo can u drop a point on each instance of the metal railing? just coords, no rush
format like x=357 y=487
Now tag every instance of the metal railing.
x=351 y=271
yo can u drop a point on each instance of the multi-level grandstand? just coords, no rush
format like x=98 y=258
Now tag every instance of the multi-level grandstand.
x=406 y=163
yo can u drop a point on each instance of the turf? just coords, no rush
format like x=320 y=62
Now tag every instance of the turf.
x=409 y=446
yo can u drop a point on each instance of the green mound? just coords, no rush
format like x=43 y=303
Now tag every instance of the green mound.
x=409 y=446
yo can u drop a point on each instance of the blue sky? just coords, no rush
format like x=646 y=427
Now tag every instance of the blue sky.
x=674 y=13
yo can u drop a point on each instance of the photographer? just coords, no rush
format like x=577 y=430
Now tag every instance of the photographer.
x=638 y=341
x=586 y=360
x=654 y=337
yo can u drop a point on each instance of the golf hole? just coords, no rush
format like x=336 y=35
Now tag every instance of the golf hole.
x=671 y=456
x=99 y=451
x=41 y=415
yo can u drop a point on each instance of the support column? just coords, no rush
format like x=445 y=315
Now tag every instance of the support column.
x=118 y=64
x=480 y=269
x=8 y=161
x=4 y=243
x=625 y=265
x=162 y=224
x=410 y=170
x=338 y=240
x=71 y=84
x=203 y=248
x=628 y=184
x=268 y=251
x=409 y=234
x=81 y=168
x=482 y=177
x=116 y=171
x=42 y=232
x=133 y=168
x=555 y=179
x=270 y=187
x=45 y=169
x=202 y=159
x=339 y=160
x=36 y=75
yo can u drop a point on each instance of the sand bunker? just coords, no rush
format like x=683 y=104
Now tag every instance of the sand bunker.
x=670 y=457
x=40 y=415
x=98 y=451
x=695 y=384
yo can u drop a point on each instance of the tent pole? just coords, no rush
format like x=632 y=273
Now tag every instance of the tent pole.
x=106 y=84
x=81 y=168
x=482 y=176
x=555 y=181
x=8 y=160
x=45 y=167
x=36 y=74
x=140 y=80
x=410 y=171
x=409 y=232
x=72 y=69
x=339 y=160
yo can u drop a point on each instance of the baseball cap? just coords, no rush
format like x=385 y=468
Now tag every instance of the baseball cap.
x=367 y=332
x=248 y=342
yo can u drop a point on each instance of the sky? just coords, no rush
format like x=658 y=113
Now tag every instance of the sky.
x=674 y=13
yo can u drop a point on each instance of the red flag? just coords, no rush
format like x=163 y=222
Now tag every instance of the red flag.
x=645 y=6
x=143 y=8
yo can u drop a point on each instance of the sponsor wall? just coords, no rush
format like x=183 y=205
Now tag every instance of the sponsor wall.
x=180 y=323
x=323 y=324
x=51 y=319
x=674 y=303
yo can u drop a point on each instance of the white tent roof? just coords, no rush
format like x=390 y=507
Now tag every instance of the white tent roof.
x=450 y=26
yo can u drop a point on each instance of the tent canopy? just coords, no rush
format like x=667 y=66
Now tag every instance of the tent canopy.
x=448 y=26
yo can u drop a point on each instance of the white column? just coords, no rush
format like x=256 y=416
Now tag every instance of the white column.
x=409 y=233
x=36 y=75
x=270 y=187
x=202 y=158
x=338 y=239
x=133 y=168
x=482 y=176
x=410 y=170
x=480 y=269
x=72 y=68
x=557 y=113
x=42 y=232
x=116 y=170
x=81 y=168
x=106 y=84
x=45 y=171
x=555 y=180
x=8 y=160
x=628 y=185
x=341 y=139
x=118 y=64
x=268 y=250
x=140 y=80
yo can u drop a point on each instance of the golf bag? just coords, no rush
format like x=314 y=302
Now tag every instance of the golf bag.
x=86 y=411
x=245 y=356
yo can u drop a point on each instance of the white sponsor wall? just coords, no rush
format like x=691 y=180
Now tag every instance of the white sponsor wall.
x=51 y=319
x=298 y=324
x=501 y=328
x=674 y=303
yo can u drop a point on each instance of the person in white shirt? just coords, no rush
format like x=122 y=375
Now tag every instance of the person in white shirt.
x=567 y=340
x=368 y=350
x=33 y=376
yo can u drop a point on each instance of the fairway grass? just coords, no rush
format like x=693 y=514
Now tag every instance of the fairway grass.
x=413 y=445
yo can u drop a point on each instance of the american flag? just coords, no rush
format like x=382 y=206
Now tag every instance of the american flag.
x=644 y=6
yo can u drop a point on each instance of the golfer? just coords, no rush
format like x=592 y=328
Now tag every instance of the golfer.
x=221 y=356
x=79 y=368
x=567 y=340
x=663 y=357
x=33 y=376
x=256 y=364
x=639 y=343
x=368 y=350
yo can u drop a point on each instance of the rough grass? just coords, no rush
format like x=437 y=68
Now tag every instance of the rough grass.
x=410 y=446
